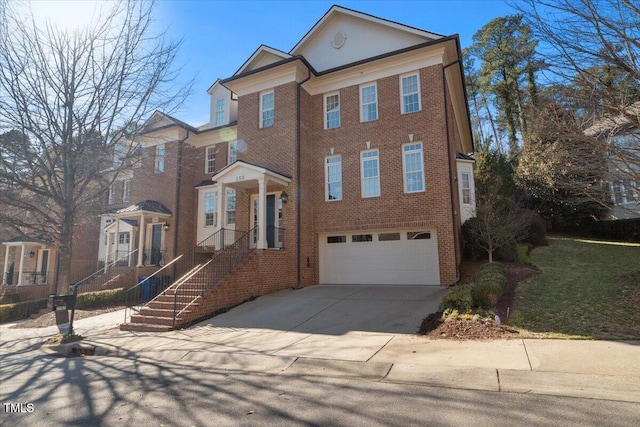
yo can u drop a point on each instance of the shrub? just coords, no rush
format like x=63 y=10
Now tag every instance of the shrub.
x=536 y=232
x=458 y=298
x=20 y=310
x=489 y=284
x=9 y=298
x=100 y=299
x=507 y=252
x=470 y=248
x=625 y=230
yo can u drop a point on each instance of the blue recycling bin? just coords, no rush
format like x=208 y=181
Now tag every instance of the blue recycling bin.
x=148 y=287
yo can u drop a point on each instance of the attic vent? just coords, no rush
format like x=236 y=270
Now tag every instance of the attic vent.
x=339 y=38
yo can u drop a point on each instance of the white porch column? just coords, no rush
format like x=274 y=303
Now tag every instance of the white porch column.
x=107 y=257
x=6 y=265
x=117 y=238
x=141 y=241
x=20 y=272
x=262 y=214
x=223 y=206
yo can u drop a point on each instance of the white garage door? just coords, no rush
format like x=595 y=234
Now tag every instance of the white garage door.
x=407 y=257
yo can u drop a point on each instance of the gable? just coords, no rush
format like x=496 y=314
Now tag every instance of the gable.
x=344 y=36
x=262 y=57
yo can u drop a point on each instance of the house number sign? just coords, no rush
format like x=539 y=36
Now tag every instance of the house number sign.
x=240 y=178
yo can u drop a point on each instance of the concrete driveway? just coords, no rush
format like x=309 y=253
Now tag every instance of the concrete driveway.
x=337 y=309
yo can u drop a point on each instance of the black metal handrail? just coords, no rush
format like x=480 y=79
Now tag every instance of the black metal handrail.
x=173 y=273
x=106 y=274
x=209 y=274
x=136 y=290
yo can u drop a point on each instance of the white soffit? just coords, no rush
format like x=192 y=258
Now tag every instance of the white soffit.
x=344 y=36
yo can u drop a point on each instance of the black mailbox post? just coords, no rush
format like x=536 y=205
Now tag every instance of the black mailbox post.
x=68 y=302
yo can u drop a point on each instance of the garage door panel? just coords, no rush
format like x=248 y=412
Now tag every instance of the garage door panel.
x=387 y=262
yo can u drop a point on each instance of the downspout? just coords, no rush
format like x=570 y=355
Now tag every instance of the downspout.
x=298 y=191
x=178 y=183
x=453 y=206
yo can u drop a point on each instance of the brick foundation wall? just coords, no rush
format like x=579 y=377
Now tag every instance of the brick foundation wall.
x=264 y=272
x=27 y=292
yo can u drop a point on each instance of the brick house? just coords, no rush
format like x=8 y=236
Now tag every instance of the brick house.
x=340 y=162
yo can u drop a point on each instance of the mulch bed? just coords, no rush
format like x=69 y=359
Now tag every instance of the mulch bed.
x=468 y=329
x=46 y=317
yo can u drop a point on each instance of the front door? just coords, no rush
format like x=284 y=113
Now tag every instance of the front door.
x=44 y=265
x=271 y=220
x=156 y=242
x=274 y=220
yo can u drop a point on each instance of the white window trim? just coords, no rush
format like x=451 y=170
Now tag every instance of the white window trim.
x=229 y=151
x=214 y=196
x=218 y=111
x=326 y=113
x=230 y=192
x=404 y=167
x=206 y=159
x=363 y=86
x=326 y=177
x=159 y=166
x=362 y=178
x=112 y=194
x=126 y=190
x=402 y=94
x=463 y=188
x=262 y=111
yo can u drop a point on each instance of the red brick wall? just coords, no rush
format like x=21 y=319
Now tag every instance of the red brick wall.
x=394 y=208
x=260 y=274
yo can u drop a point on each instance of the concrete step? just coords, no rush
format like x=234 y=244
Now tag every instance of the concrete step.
x=159 y=312
x=144 y=327
x=153 y=320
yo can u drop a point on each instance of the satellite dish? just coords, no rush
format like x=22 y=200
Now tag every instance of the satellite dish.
x=241 y=146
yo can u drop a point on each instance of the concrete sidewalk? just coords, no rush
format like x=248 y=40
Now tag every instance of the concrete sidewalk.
x=590 y=369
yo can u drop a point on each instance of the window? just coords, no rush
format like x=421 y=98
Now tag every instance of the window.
x=332 y=111
x=219 y=112
x=617 y=192
x=211 y=209
x=123 y=239
x=370 y=173
x=629 y=190
x=368 y=103
x=210 y=160
x=112 y=194
x=418 y=235
x=386 y=237
x=410 y=93
x=412 y=164
x=126 y=191
x=466 y=189
x=233 y=151
x=160 y=158
x=267 y=115
x=231 y=206
x=336 y=239
x=333 y=178
x=362 y=238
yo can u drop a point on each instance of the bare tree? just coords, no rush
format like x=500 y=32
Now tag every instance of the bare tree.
x=593 y=47
x=72 y=96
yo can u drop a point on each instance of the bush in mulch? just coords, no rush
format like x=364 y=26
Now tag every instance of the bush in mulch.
x=20 y=310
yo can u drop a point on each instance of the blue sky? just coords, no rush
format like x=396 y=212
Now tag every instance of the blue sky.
x=218 y=36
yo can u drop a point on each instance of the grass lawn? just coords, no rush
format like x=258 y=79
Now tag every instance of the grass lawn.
x=586 y=289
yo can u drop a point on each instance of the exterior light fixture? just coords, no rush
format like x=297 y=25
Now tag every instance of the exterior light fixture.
x=165 y=226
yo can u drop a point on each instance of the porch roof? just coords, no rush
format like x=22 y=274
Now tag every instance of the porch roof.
x=241 y=174
x=146 y=206
x=22 y=240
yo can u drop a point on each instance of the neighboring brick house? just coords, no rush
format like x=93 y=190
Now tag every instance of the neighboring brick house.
x=344 y=159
